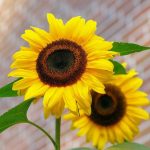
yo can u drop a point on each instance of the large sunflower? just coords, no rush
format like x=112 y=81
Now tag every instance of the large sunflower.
x=115 y=114
x=63 y=64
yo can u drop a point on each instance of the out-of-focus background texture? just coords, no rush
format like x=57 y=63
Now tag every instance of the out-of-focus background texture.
x=118 y=20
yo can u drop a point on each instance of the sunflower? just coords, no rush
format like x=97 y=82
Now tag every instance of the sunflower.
x=116 y=114
x=63 y=64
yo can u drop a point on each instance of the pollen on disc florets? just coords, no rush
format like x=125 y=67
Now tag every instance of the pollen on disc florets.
x=61 y=63
x=109 y=108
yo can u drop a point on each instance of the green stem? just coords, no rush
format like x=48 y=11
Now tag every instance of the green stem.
x=40 y=128
x=57 y=133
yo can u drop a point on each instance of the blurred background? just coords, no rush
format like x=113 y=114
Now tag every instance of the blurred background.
x=118 y=20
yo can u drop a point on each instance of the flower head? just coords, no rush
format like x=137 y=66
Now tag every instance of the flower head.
x=63 y=64
x=116 y=114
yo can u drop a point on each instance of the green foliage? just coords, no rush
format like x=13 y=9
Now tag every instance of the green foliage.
x=128 y=146
x=127 y=48
x=118 y=68
x=6 y=91
x=15 y=115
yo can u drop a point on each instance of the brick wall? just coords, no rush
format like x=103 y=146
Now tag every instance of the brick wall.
x=120 y=20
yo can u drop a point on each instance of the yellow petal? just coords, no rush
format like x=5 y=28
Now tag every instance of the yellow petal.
x=134 y=120
x=126 y=130
x=84 y=98
x=103 y=75
x=119 y=135
x=73 y=28
x=81 y=122
x=102 y=139
x=53 y=104
x=70 y=100
x=97 y=45
x=120 y=80
x=46 y=112
x=34 y=39
x=89 y=134
x=88 y=31
x=36 y=90
x=56 y=26
x=97 y=38
x=69 y=116
x=132 y=84
x=23 y=73
x=57 y=96
x=137 y=112
x=23 y=84
x=22 y=48
x=102 y=64
x=84 y=128
x=43 y=34
x=136 y=94
x=48 y=95
x=24 y=64
x=111 y=135
x=93 y=83
x=141 y=101
x=97 y=54
x=60 y=107
x=29 y=55
x=96 y=135
x=130 y=124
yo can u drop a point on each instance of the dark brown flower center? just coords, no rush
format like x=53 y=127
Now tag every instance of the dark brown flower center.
x=60 y=60
x=109 y=108
x=61 y=63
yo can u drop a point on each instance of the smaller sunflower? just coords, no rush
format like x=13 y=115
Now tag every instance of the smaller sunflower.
x=115 y=115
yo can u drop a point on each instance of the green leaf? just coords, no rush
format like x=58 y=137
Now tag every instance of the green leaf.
x=18 y=115
x=15 y=115
x=81 y=148
x=118 y=68
x=6 y=91
x=128 y=48
x=128 y=146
